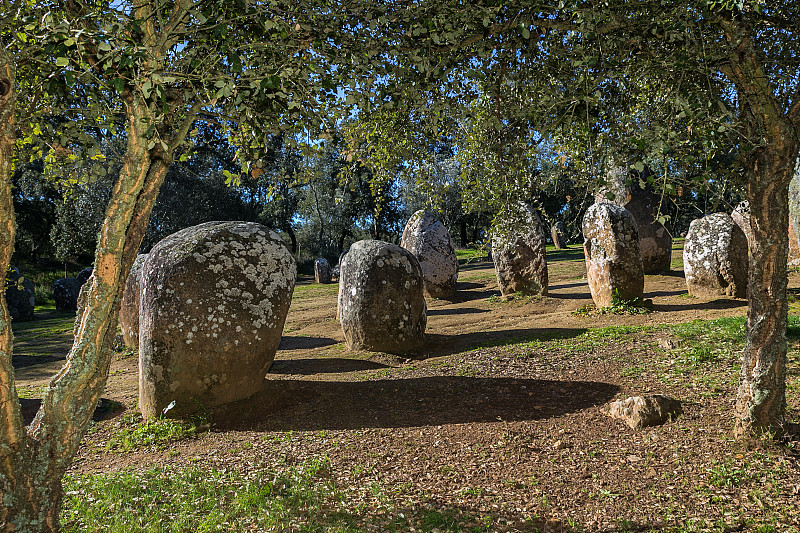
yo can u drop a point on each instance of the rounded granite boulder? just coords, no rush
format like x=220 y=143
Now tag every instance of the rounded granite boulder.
x=430 y=242
x=381 y=302
x=214 y=298
x=715 y=260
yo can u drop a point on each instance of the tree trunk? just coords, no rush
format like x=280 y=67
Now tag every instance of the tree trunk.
x=770 y=159
x=463 y=234
x=31 y=474
x=761 y=399
x=292 y=238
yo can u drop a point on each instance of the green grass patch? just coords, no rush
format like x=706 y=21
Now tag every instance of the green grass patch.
x=469 y=255
x=302 y=498
x=159 y=432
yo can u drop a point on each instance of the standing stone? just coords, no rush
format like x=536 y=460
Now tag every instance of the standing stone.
x=20 y=295
x=518 y=251
x=129 y=309
x=613 y=260
x=65 y=294
x=84 y=275
x=655 y=241
x=66 y=291
x=558 y=233
x=381 y=301
x=430 y=242
x=794 y=216
x=741 y=215
x=322 y=270
x=213 y=302
x=715 y=257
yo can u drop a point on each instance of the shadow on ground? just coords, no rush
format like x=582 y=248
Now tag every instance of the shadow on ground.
x=304 y=343
x=105 y=409
x=456 y=311
x=323 y=365
x=439 y=345
x=722 y=303
x=420 y=401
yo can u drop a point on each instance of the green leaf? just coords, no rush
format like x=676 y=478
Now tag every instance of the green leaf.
x=62 y=62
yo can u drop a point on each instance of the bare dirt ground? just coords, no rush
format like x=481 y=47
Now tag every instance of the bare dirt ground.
x=499 y=418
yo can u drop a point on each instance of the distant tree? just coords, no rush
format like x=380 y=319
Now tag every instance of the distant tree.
x=271 y=190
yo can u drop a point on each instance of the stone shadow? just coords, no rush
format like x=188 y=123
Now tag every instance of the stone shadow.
x=421 y=401
x=438 y=344
x=322 y=365
x=456 y=311
x=722 y=303
x=664 y=294
x=304 y=343
x=105 y=409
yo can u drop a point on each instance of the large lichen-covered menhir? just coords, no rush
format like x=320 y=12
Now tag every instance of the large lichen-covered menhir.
x=715 y=258
x=430 y=242
x=381 y=302
x=613 y=260
x=213 y=302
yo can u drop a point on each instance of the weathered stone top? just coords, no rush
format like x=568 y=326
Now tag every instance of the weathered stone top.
x=257 y=255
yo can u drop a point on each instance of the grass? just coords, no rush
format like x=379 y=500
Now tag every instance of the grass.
x=303 y=498
x=135 y=433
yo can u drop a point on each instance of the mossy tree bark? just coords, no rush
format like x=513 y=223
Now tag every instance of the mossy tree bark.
x=34 y=461
x=761 y=398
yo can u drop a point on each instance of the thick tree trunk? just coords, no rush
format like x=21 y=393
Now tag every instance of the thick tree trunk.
x=773 y=137
x=31 y=476
x=463 y=234
x=761 y=399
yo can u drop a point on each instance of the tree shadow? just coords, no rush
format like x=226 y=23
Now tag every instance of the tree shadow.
x=456 y=311
x=672 y=273
x=304 y=343
x=573 y=253
x=105 y=409
x=394 y=403
x=722 y=303
x=322 y=365
x=570 y=295
x=569 y=285
x=463 y=295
